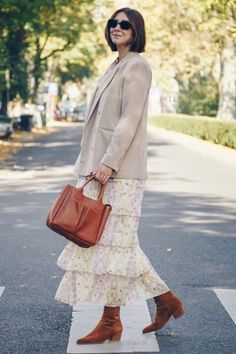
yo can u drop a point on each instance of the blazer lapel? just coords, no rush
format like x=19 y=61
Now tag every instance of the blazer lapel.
x=105 y=81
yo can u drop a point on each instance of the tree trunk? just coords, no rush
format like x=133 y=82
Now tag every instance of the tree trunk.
x=37 y=70
x=227 y=84
x=17 y=48
x=4 y=98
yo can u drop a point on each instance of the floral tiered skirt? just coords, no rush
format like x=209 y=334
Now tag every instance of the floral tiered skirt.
x=115 y=271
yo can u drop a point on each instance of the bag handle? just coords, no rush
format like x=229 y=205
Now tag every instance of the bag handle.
x=100 y=196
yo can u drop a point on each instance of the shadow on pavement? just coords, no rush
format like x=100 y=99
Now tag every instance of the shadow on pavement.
x=185 y=235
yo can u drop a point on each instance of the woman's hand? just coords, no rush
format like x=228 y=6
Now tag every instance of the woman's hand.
x=102 y=173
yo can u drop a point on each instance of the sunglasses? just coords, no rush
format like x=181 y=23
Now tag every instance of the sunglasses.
x=124 y=25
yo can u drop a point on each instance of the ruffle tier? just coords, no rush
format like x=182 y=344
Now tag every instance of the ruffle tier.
x=108 y=289
x=103 y=259
x=115 y=271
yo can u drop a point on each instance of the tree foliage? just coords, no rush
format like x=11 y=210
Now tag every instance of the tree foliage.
x=201 y=97
x=187 y=39
x=33 y=32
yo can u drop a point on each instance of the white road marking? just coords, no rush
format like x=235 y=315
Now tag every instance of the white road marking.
x=134 y=318
x=228 y=299
x=1 y=290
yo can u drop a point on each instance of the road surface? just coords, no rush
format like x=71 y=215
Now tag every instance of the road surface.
x=187 y=229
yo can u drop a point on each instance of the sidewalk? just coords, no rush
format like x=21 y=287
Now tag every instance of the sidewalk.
x=20 y=139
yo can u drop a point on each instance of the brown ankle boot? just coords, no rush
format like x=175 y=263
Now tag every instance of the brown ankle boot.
x=166 y=305
x=109 y=327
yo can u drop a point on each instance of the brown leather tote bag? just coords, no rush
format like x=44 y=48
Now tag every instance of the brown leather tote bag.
x=78 y=218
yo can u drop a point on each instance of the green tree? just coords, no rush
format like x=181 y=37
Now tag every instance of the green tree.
x=200 y=97
x=188 y=37
x=13 y=45
x=55 y=30
x=220 y=20
x=33 y=32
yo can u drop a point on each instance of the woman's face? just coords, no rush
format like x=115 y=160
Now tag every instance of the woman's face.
x=119 y=36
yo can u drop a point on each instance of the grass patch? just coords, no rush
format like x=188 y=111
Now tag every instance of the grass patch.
x=205 y=128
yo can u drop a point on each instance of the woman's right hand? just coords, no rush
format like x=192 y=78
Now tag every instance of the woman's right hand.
x=102 y=173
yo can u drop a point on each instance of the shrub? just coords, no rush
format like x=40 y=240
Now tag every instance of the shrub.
x=211 y=129
x=200 y=98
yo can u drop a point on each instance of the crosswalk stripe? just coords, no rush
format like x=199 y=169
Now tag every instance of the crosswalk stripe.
x=134 y=317
x=228 y=300
x=1 y=290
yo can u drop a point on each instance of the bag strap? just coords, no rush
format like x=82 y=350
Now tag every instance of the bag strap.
x=100 y=196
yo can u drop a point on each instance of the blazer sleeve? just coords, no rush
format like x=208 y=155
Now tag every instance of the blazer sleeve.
x=135 y=92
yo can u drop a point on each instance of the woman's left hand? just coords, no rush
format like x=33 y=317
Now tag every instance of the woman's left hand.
x=102 y=173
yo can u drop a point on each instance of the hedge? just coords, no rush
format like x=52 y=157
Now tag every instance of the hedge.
x=210 y=129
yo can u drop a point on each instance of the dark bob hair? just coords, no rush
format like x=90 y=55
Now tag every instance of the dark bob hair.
x=138 y=27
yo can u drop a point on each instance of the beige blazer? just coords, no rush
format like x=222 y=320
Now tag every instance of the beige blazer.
x=115 y=129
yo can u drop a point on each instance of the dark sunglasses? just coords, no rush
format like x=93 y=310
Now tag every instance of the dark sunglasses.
x=124 y=25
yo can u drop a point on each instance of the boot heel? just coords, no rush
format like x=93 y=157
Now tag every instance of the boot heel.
x=116 y=336
x=179 y=312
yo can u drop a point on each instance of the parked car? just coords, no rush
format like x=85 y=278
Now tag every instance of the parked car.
x=5 y=127
x=78 y=113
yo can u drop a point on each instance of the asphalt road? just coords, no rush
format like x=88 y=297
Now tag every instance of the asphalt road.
x=187 y=229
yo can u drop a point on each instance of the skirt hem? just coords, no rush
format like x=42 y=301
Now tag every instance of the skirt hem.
x=97 y=302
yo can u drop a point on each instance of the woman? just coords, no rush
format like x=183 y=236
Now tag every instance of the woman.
x=113 y=148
